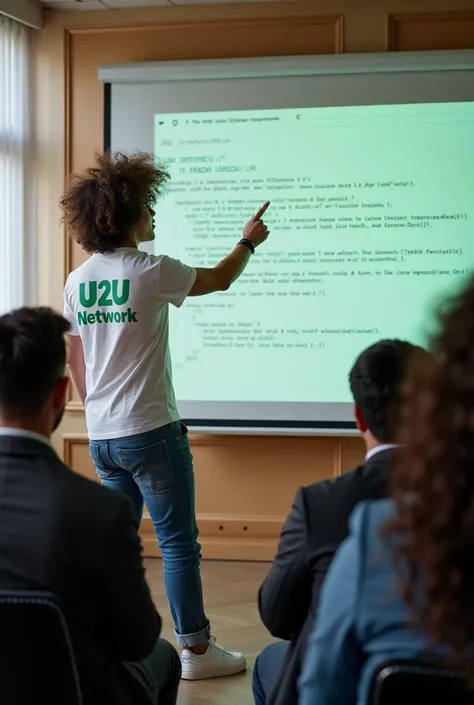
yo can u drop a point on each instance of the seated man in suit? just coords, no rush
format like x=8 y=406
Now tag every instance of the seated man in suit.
x=65 y=534
x=318 y=522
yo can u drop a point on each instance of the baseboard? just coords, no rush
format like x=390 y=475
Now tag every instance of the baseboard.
x=226 y=537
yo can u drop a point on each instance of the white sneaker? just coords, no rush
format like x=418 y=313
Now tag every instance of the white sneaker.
x=214 y=662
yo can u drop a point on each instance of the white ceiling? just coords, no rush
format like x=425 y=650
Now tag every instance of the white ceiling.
x=120 y=4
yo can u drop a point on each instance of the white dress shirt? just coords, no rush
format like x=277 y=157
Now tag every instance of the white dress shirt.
x=378 y=449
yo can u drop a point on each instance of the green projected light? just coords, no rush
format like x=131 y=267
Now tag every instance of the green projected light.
x=371 y=222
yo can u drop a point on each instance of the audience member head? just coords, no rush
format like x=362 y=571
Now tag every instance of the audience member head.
x=433 y=484
x=375 y=380
x=110 y=205
x=32 y=369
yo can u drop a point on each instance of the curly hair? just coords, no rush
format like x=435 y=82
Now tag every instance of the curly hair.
x=433 y=486
x=101 y=206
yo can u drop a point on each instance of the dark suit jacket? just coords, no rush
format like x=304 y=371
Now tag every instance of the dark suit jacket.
x=315 y=528
x=63 y=533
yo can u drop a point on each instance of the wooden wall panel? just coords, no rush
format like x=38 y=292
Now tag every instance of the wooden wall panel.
x=426 y=31
x=242 y=498
x=76 y=455
x=353 y=452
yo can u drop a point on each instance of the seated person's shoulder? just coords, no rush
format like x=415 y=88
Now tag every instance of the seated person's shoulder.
x=353 y=486
x=326 y=506
x=368 y=521
x=373 y=513
x=333 y=487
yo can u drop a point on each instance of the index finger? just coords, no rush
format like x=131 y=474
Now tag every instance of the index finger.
x=261 y=211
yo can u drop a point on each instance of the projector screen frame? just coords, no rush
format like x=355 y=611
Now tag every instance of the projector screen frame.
x=228 y=69
x=158 y=71
x=276 y=66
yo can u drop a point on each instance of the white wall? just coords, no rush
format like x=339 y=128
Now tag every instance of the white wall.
x=29 y=12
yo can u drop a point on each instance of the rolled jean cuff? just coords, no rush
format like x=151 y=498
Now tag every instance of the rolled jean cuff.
x=195 y=639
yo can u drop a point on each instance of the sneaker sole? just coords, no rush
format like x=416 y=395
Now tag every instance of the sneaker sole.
x=202 y=675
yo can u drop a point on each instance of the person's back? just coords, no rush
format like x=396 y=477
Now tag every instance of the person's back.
x=376 y=627
x=56 y=535
x=64 y=534
x=119 y=304
x=319 y=521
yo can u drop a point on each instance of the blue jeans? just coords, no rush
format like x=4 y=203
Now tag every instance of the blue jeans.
x=267 y=669
x=156 y=469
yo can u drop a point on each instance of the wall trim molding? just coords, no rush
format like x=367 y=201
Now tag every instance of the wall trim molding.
x=338 y=457
x=75 y=407
x=333 y=20
x=222 y=537
x=397 y=18
x=69 y=440
x=67 y=166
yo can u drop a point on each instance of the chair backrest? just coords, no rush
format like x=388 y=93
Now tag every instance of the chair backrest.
x=37 y=662
x=413 y=683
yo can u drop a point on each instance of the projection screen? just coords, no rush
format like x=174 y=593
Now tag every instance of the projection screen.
x=368 y=161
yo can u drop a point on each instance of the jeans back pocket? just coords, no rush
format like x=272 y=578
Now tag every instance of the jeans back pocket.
x=150 y=465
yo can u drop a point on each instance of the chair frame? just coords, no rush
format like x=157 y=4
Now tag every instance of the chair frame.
x=26 y=597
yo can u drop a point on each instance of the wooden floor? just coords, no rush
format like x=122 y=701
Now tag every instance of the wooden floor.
x=230 y=596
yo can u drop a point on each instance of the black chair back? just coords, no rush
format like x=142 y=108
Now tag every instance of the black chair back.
x=37 y=663
x=414 y=683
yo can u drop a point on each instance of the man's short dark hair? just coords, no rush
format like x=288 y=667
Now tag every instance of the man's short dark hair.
x=376 y=384
x=32 y=359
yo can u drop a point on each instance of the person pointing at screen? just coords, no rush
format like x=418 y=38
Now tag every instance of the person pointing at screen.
x=118 y=358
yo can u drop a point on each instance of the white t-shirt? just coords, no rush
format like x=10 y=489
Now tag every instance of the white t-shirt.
x=118 y=303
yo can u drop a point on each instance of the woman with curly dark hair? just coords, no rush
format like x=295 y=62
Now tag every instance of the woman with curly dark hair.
x=402 y=585
x=117 y=304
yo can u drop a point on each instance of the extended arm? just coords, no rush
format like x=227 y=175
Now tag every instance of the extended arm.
x=220 y=277
x=76 y=365
x=285 y=596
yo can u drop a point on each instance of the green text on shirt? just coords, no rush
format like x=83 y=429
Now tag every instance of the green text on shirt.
x=104 y=294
